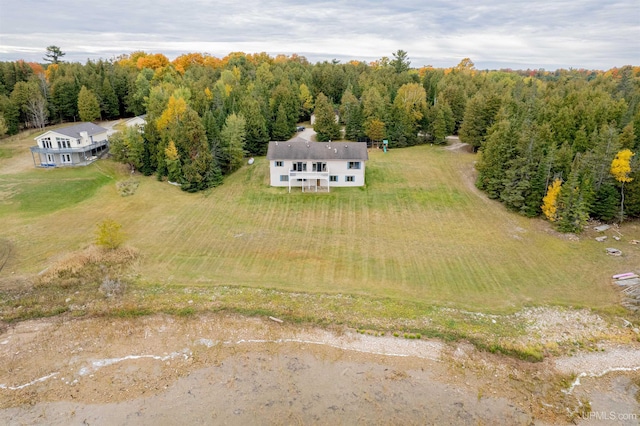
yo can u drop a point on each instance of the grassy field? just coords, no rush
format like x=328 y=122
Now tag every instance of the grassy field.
x=419 y=232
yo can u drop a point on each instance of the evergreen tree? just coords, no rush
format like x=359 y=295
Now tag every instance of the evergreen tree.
x=326 y=127
x=64 y=98
x=232 y=139
x=605 y=206
x=479 y=115
x=88 y=106
x=496 y=155
x=109 y=101
x=53 y=54
x=281 y=130
x=574 y=201
x=172 y=159
x=150 y=149
x=257 y=134
x=351 y=114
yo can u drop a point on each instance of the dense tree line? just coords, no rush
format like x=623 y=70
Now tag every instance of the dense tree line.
x=532 y=128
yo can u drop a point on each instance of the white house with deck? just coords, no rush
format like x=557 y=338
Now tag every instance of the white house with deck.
x=76 y=145
x=314 y=166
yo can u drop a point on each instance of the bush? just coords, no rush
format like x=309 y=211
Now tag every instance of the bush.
x=112 y=287
x=109 y=234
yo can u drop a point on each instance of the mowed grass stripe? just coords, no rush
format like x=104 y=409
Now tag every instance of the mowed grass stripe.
x=418 y=231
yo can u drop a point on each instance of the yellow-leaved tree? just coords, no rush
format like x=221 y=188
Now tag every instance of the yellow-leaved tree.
x=109 y=234
x=550 y=201
x=620 y=169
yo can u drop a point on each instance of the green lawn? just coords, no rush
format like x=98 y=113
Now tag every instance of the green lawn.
x=418 y=232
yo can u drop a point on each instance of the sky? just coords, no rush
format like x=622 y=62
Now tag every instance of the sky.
x=495 y=34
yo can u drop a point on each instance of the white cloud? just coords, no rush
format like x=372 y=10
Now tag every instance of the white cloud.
x=516 y=34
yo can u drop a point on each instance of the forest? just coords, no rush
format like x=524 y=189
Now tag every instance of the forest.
x=556 y=143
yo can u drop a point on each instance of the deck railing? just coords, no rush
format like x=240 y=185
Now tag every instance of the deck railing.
x=56 y=150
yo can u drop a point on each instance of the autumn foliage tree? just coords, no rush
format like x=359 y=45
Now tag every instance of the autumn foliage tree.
x=620 y=169
x=550 y=201
x=374 y=130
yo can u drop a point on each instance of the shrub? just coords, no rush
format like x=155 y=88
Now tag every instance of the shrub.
x=109 y=234
x=112 y=287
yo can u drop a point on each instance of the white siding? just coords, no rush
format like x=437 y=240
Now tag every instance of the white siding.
x=54 y=137
x=337 y=168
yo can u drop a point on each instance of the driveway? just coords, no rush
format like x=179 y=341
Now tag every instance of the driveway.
x=109 y=126
x=308 y=134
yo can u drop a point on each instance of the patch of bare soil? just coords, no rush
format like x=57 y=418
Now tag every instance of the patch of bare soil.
x=229 y=369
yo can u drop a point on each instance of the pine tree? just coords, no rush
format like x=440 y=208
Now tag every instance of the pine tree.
x=574 y=202
x=606 y=203
x=109 y=104
x=281 y=130
x=496 y=154
x=326 y=127
x=257 y=134
x=351 y=114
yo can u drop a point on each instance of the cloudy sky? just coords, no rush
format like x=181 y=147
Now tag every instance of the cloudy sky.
x=549 y=34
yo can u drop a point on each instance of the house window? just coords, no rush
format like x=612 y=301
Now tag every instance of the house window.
x=349 y=178
x=50 y=159
x=284 y=178
x=279 y=163
x=46 y=142
x=65 y=158
x=63 y=143
x=333 y=178
x=300 y=167
x=353 y=165
x=319 y=167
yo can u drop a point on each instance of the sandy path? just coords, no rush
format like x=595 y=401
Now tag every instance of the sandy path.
x=236 y=370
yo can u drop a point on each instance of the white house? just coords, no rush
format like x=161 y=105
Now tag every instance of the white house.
x=139 y=121
x=76 y=145
x=316 y=165
x=313 y=118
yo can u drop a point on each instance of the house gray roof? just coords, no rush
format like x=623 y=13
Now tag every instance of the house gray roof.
x=301 y=149
x=74 y=131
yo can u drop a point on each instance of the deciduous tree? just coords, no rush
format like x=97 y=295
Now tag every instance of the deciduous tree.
x=621 y=169
x=550 y=201
x=109 y=234
x=375 y=130
x=88 y=105
x=127 y=147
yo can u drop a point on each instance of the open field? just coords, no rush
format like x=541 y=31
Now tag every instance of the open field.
x=363 y=279
x=418 y=232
